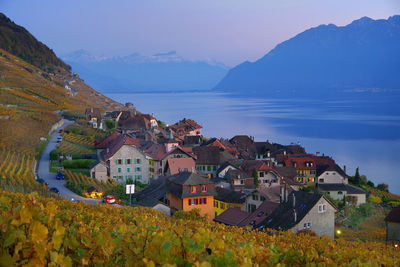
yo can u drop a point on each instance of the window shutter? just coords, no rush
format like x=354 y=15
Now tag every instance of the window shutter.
x=197 y=201
x=189 y=202
x=116 y=161
x=205 y=200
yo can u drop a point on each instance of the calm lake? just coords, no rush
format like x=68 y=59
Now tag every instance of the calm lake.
x=356 y=132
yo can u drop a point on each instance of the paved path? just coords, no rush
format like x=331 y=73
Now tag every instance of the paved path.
x=50 y=178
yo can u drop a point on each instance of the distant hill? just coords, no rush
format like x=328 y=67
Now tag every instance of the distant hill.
x=362 y=56
x=159 y=72
x=19 y=42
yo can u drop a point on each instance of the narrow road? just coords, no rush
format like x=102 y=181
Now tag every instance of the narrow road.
x=50 y=178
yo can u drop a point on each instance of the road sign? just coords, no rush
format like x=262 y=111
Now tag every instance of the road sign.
x=130 y=189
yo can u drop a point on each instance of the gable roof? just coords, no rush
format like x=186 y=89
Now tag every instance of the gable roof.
x=330 y=167
x=177 y=165
x=118 y=143
x=211 y=155
x=134 y=123
x=350 y=189
x=283 y=216
x=394 y=215
x=286 y=172
x=105 y=142
x=229 y=196
x=188 y=178
x=154 y=150
x=241 y=141
x=156 y=190
x=249 y=165
x=260 y=214
x=272 y=193
x=231 y=216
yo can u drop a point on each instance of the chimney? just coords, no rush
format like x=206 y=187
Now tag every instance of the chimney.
x=318 y=154
x=108 y=150
x=344 y=169
x=268 y=154
x=284 y=152
x=281 y=194
x=294 y=215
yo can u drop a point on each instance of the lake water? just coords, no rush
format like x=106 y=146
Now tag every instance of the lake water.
x=358 y=132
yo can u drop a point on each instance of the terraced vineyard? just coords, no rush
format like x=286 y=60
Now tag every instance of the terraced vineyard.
x=16 y=172
x=68 y=148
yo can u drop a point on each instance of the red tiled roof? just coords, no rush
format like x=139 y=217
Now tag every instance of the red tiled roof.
x=177 y=165
x=155 y=151
x=259 y=165
x=105 y=142
x=118 y=143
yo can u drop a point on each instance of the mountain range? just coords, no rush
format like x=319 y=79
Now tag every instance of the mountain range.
x=136 y=72
x=362 y=56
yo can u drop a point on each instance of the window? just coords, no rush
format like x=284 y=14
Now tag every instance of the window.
x=340 y=193
x=192 y=202
x=193 y=189
x=255 y=197
x=138 y=177
x=241 y=181
x=119 y=170
x=128 y=161
x=321 y=180
x=312 y=172
x=261 y=174
x=307 y=226
x=215 y=204
x=223 y=206
x=204 y=188
x=128 y=169
x=262 y=198
x=214 y=168
x=119 y=161
x=321 y=208
x=138 y=169
x=138 y=161
x=204 y=168
x=203 y=201
x=208 y=168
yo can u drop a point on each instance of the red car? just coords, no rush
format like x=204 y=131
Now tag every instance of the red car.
x=109 y=200
x=60 y=131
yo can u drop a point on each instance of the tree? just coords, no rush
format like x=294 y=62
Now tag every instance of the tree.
x=110 y=124
x=383 y=187
x=356 y=179
x=255 y=177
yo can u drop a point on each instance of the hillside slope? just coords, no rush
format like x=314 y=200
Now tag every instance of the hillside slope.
x=29 y=98
x=19 y=42
x=327 y=59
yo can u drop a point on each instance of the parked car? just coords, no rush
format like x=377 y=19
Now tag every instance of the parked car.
x=60 y=176
x=109 y=200
x=59 y=139
x=55 y=190
x=61 y=130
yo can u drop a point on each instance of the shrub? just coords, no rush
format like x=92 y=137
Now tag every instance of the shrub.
x=78 y=163
x=54 y=154
x=375 y=199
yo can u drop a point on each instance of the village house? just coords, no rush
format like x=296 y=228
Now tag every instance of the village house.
x=392 y=221
x=301 y=211
x=123 y=161
x=261 y=194
x=187 y=191
x=226 y=198
x=333 y=181
x=304 y=164
x=186 y=127
x=177 y=165
x=210 y=158
x=93 y=115
x=267 y=176
x=239 y=180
